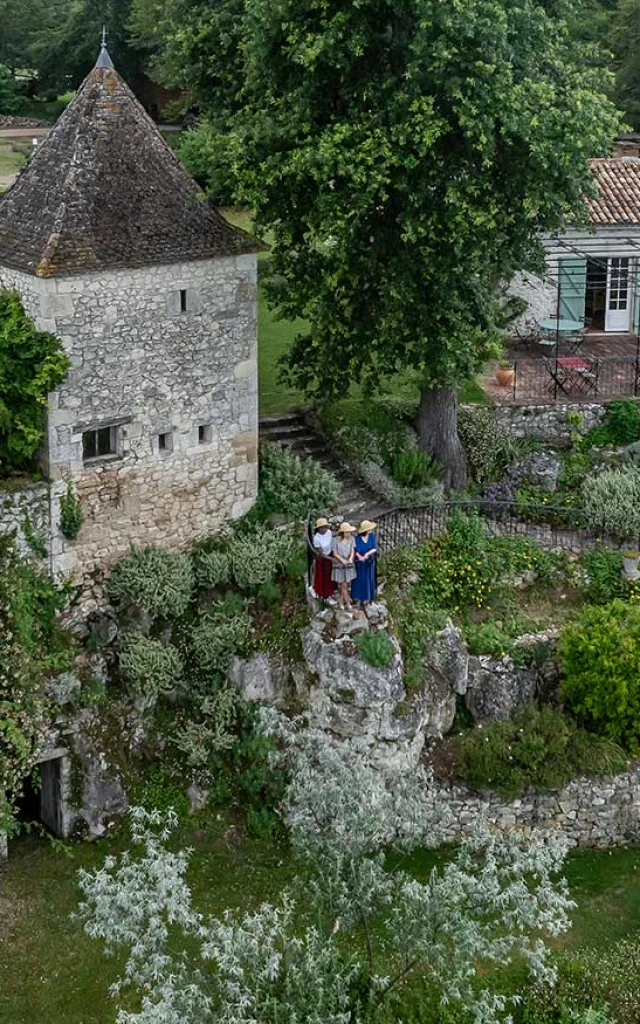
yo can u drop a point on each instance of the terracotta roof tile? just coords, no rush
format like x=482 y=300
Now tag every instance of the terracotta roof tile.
x=618 y=183
x=105 y=191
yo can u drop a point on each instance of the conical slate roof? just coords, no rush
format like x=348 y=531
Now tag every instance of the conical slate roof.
x=104 y=191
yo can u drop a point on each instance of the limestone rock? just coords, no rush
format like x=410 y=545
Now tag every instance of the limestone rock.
x=497 y=690
x=260 y=679
x=64 y=688
x=198 y=797
x=446 y=658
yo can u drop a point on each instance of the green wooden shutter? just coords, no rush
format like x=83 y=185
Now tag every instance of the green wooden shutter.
x=572 y=287
x=634 y=288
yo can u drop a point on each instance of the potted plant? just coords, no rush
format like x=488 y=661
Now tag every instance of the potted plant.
x=505 y=373
x=630 y=558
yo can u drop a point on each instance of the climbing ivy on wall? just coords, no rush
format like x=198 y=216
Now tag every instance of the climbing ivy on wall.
x=33 y=646
x=32 y=364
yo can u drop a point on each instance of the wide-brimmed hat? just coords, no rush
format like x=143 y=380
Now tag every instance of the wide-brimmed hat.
x=346 y=528
x=366 y=526
x=322 y=522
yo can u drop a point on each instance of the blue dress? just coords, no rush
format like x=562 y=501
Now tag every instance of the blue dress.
x=365 y=585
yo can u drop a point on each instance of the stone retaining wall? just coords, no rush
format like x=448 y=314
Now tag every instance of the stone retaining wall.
x=588 y=812
x=548 y=422
x=22 y=505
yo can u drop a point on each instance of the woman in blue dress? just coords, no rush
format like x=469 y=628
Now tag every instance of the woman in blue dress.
x=364 y=587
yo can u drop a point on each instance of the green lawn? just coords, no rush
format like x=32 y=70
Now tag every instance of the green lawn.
x=50 y=971
x=11 y=158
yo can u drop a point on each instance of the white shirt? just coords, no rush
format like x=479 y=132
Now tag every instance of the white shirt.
x=323 y=541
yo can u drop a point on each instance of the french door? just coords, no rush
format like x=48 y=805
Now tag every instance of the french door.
x=618 y=308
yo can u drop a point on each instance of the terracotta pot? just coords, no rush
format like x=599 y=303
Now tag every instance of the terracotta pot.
x=505 y=376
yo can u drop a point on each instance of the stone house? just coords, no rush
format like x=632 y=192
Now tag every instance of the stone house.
x=113 y=247
x=593 y=273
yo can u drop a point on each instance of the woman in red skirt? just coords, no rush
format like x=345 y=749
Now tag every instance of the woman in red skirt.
x=322 y=543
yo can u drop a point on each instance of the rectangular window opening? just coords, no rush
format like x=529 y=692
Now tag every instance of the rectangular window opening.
x=165 y=442
x=96 y=444
x=183 y=300
x=205 y=433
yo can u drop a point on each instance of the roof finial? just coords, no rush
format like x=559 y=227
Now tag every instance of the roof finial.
x=104 y=60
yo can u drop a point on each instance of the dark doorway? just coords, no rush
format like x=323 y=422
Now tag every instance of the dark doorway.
x=596 y=294
x=29 y=803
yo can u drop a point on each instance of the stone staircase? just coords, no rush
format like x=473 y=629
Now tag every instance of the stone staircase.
x=291 y=430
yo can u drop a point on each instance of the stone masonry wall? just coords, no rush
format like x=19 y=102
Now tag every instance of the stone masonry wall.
x=588 y=812
x=145 y=367
x=548 y=422
x=28 y=503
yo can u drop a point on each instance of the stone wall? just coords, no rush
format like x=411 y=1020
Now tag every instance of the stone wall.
x=146 y=366
x=588 y=812
x=548 y=422
x=27 y=504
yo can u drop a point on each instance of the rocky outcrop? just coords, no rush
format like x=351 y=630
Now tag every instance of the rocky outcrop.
x=496 y=690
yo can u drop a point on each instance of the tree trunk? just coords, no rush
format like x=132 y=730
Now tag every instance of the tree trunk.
x=437 y=423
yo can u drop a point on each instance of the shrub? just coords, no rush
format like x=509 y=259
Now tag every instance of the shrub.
x=603 y=575
x=71 y=514
x=621 y=424
x=157 y=581
x=456 y=569
x=150 y=668
x=158 y=789
x=540 y=748
x=416 y=621
x=380 y=483
x=255 y=558
x=488 y=638
x=604 y=980
x=212 y=568
x=600 y=655
x=206 y=731
x=376 y=649
x=32 y=364
x=489 y=449
x=612 y=502
x=293 y=486
x=413 y=468
x=215 y=640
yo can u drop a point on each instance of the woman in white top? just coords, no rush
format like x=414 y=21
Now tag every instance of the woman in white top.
x=322 y=543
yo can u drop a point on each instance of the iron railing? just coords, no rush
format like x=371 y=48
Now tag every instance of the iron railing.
x=547 y=380
x=553 y=527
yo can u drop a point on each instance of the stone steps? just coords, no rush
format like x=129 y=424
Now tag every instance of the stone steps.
x=291 y=430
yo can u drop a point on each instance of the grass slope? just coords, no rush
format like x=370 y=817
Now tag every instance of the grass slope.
x=50 y=971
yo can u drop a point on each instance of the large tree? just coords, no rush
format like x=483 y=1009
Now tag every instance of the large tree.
x=626 y=45
x=404 y=156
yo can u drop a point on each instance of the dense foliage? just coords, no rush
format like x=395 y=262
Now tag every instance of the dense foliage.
x=600 y=656
x=293 y=486
x=32 y=364
x=158 y=582
x=288 y=962
x=539 y=748
x=612 y=502
x=404 y=159
x=32 y=647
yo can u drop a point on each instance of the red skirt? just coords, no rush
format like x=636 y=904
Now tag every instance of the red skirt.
x=322 y=582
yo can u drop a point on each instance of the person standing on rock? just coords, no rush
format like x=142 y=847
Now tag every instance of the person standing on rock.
x=365 y=586
x=323 y=584
x=344 y=572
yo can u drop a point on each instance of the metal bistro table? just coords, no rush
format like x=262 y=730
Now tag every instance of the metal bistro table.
x=554 y=326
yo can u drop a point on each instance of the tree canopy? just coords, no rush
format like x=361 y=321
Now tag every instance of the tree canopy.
x=403 y=157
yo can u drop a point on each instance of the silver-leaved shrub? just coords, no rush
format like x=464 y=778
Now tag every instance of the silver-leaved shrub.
x=153 y=580
x=355 y=913
x=149 y=668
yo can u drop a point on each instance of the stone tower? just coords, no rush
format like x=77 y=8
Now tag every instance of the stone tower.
x=113 y=247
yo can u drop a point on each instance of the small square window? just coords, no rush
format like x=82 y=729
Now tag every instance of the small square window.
x=183 y=300
x=205 y=433
x=96 y=444
x=165 y=442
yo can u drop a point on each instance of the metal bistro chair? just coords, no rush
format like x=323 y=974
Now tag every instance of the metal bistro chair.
x=574 y=343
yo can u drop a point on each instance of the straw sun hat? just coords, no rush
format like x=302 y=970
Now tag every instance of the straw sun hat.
x=366 y=526
x=346 y=528
x=322 y=522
